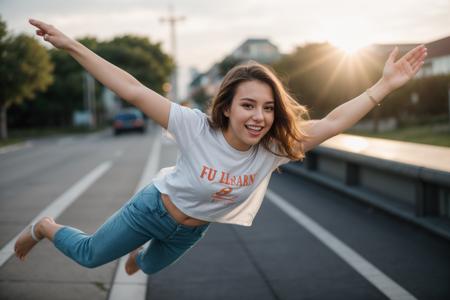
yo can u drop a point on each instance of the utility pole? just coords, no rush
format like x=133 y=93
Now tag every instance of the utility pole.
x=172 y=20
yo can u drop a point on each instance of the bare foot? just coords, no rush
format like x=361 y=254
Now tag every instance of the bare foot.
x=25 y=242
x=130 y=266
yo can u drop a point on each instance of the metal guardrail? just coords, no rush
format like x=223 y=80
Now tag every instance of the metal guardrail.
x=417 y=194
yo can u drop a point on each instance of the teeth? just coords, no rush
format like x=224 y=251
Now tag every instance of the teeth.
x=257 y=128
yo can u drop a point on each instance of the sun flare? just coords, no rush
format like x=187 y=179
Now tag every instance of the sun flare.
x=349 y=45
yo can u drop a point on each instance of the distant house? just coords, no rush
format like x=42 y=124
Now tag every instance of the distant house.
x=204 y=85
x=261 y=50
x=438 y=58
x=383 y=50
x=207 y=83
x=437 y=61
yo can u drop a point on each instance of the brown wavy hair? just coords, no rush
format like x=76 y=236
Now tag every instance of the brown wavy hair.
x=285 y=137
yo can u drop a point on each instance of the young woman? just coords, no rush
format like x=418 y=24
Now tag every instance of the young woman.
x=225 y=164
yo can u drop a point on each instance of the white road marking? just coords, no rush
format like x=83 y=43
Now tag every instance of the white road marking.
x=59 y=204
x=15 y=147
x=135 y=287
x=381 y=281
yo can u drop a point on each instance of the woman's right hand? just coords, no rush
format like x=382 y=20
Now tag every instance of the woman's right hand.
x=51 y=34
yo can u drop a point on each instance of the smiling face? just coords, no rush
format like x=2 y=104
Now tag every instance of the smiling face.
x=251 y=114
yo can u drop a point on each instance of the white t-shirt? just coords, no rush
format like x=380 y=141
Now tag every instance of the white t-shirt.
x=211 y=180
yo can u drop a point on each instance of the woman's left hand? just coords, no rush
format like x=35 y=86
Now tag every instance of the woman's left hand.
x=397 y=73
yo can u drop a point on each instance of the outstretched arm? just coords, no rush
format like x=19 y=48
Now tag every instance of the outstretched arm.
x=395 y=74
x=120 y=82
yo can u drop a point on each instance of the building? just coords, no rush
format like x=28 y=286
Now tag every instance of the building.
x=261 y=50
x=437 y=61
x=438 y=58
x=205 y=85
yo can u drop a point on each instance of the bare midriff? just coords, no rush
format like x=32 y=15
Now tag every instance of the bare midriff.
x=178 y=215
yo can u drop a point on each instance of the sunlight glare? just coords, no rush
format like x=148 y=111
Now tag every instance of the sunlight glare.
x=357 y=144
x=349 y=45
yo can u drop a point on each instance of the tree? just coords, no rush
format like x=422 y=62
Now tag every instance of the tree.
x=25 y=69
x=141 y=58
x=137 y=55
x=323 y=77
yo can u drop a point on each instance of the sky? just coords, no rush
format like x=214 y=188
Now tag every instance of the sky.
x=212 y=29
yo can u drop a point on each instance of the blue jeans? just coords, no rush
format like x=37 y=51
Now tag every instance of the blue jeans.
x=141 y=219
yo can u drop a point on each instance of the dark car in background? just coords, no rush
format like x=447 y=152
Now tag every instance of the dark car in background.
x=129 y=119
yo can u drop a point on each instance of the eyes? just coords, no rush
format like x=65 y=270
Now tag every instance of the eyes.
x=248 y=106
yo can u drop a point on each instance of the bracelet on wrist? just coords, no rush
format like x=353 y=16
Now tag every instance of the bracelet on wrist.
x=372 y=98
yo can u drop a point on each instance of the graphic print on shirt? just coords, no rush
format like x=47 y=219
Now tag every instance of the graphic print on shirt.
x=231 y=182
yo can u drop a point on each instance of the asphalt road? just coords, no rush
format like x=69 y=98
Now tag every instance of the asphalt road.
x=276 y=258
